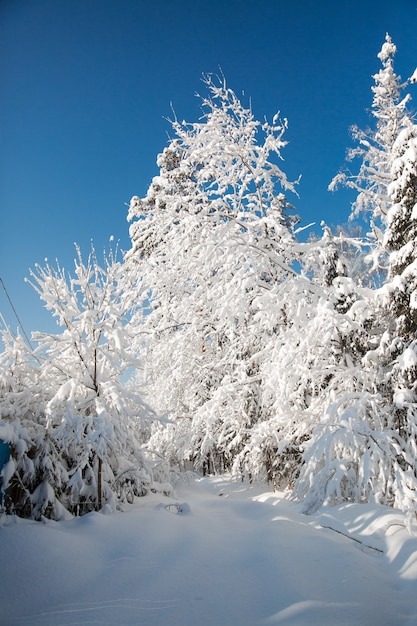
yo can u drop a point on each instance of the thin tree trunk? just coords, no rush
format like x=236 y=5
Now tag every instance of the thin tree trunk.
x=100 y=485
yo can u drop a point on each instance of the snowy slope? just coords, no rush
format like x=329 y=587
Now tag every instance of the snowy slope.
x=231 y=555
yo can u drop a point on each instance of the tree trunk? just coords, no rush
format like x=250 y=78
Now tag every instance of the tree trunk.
x=100 y=485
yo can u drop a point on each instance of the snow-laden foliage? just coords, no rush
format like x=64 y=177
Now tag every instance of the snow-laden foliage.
x=398 y=346
x=96 y=418
x=213 y=244
x=265 y=352
x=365 y=446
x=262 y=356
x=375 y=150
x=69 y=405
x=34 y=479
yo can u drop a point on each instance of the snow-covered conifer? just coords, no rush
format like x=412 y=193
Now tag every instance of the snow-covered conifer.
x=375 y=149
x=34 y=458
x=364 y=448
x=401 y=232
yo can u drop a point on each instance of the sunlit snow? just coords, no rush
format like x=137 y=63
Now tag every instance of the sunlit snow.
x=221 y=552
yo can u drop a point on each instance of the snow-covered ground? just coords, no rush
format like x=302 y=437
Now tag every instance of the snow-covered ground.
x=227 y=555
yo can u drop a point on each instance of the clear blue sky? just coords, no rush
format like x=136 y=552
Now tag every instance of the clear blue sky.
x=85 y=86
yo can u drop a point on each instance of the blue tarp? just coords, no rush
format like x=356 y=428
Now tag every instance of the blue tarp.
x=4 y=458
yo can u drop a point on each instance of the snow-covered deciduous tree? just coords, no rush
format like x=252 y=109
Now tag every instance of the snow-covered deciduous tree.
x=213 y=243
x=92 y=415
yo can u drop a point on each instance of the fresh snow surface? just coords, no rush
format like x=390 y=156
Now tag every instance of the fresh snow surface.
x=219 y=554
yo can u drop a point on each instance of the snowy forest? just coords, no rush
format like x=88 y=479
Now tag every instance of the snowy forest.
x=228 y=339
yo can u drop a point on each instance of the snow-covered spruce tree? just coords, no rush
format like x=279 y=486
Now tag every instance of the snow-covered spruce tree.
x=92 y=416
x=213 y=244
x=347 y=455
x=374 y=149
x=22 y=426
x=398 y=346
x=364 y=447
x=401 y=233
x=34 y=455
x=317 y=355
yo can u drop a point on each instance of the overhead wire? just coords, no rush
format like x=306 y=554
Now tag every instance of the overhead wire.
x=15 y=314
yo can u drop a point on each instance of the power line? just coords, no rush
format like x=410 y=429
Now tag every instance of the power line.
x=15 y=313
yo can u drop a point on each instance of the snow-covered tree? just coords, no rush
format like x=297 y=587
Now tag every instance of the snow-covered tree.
x=401 y=232
x=213 y=243
x=317 y=358
x=35 y=457
x=268 y=357
x=398 y=347
x=364 y=448
x=91 y=414
x=375 y=149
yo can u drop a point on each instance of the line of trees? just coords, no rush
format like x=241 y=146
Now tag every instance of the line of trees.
x=253 y=352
